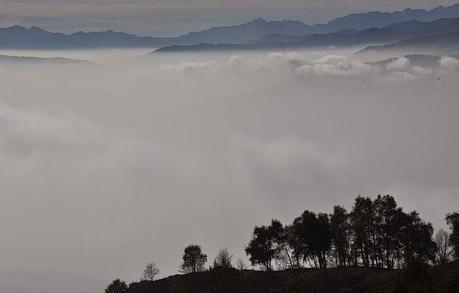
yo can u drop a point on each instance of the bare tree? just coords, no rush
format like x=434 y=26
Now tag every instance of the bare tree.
x=223 y=259
x=150 y=272
x=444 y=249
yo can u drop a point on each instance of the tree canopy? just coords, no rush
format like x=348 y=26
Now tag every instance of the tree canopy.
x=117 y=286
x=193 y=259
x=375 y=233
x=265 y=244
x=453 y=221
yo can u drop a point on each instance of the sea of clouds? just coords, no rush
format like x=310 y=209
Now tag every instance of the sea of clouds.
x=110 y=165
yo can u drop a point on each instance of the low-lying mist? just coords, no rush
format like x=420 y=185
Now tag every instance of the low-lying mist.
x=110 y=165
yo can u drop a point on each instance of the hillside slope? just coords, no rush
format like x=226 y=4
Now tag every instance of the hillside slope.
x=441 y=279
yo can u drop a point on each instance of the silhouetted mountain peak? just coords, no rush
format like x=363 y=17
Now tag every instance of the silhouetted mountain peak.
x=16 y=28
x=257 y=21
x=408 y=10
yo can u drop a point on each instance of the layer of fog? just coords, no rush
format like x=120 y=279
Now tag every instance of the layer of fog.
x=107 y=168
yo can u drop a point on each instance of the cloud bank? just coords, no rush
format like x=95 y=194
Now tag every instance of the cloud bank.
x=105 y=169
x=328 y=65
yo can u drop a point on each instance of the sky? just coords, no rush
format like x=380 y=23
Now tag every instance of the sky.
x=172 y=17
x=107 y=167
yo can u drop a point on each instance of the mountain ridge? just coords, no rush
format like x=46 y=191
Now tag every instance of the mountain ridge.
x=347 y=38
x=440 y=44
x=42 y=60
x=18 y=37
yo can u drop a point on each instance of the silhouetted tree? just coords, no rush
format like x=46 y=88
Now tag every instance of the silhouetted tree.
x=285 y=257
x=340 y=235
x=223 y=259
x=387 y=221
x=444 y=250
x=313 y=231
x=150 y=272
x=323 y=238
x=295 y=241
x=117 y=286
x=377 y=233
x=362 y=221
x=453 y=221
x=382 y=235
x=265 y=245
x=193 y=259
x=416 y=239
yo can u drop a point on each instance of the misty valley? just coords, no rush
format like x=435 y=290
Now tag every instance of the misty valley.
x=267 y=157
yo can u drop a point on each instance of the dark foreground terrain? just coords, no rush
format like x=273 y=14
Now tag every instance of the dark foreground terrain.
x=444 y=278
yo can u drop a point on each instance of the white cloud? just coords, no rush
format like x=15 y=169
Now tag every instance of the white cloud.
x=293 y=63
x=399 y=64
x=287 y=166
x=191 y=67
x=449 y=64
x=287 y=153
x=336 y=65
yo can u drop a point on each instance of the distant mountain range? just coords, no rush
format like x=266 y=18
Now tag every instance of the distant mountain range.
x=392 y=33
x=425 y=61
x=382 y=19
x=441 y=44
x=5 y=59
x=353 y=25
x=18 y=37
